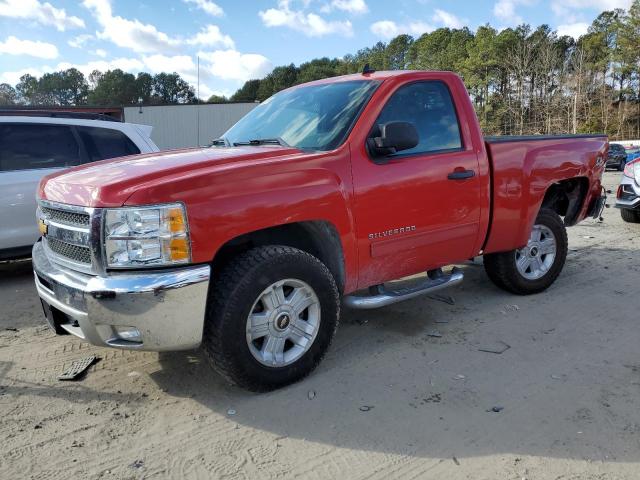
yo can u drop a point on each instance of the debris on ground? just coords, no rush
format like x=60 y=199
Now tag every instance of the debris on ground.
x=459 y=377
x=434 y=333
x=496 y=409
x=366 y=408
x=11 y=329
x=78 y=368
x=137 y=464
x=498 y=347
x=133 y=374
x=455 y=460
x=448 y=299
x=231 y=412
x=442 y=320
x=311 y=394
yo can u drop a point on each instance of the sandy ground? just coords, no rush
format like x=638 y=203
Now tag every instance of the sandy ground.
x=389 y=401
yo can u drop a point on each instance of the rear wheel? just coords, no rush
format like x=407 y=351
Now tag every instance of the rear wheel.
x=536 y=266
x=272 y=314
x=630 y=216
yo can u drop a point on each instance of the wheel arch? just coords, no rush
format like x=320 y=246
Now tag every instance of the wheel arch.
x=319 y=238
x=566 y=198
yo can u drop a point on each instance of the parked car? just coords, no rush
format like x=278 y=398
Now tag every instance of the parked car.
x=325 y=192
x=617 y=157
x=34 y=146
x=628 y=194
x=632 y=153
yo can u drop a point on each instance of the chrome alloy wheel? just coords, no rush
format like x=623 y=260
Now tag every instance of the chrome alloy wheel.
x=535 y=260
x=283 y=323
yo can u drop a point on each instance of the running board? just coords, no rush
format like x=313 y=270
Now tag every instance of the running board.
x=383 y=297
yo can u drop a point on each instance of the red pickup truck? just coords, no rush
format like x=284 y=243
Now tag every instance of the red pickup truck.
x=320 y=197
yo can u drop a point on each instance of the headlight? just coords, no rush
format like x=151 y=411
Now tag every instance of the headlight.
x=141 y=236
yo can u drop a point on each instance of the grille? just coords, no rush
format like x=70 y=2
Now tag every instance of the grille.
x=64 y=216
x=72 y=252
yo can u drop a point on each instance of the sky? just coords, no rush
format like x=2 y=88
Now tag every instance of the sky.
x=239 y=40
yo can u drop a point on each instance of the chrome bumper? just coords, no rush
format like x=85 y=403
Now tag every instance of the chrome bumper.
x=156 y=310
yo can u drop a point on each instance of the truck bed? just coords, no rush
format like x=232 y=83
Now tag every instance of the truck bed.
x=522 y=170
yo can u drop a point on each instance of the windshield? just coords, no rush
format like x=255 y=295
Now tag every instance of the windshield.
x=316 y=117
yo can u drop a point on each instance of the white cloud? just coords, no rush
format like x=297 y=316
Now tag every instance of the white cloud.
x=132 y=65
x=599 y=5
x=388 y=29
x=15 y=46
x=146 y=38
x=133 y=34
x=12 y=78
x=447 y=19
x=182 y=64
x=207 y=6
x=233 y=65
x=355 y=7
x=211 y=36
x=80 y=40
x=505 y=10
x=100 y=53
x=575 y=30
x=311 y=24
x=43 y=13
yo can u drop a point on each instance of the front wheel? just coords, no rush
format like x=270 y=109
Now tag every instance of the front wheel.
x=536 y=266
x=272 y=314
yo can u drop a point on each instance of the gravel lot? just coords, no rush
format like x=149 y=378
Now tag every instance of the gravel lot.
x=389 y=401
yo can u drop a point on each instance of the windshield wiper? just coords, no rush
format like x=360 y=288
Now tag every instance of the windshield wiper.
x=220 y=142
x=263 y=141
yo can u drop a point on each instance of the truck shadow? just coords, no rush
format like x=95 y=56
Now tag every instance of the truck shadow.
x=566 y=387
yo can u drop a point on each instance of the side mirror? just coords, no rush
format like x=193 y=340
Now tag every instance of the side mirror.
x=394 y=137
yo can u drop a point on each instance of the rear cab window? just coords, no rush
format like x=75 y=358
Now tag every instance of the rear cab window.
x=429 y=106
x=25 y=146
x=103 y=143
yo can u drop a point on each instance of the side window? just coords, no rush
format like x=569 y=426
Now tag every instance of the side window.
x=103 y=143
x=25 y=146
x=429 y=107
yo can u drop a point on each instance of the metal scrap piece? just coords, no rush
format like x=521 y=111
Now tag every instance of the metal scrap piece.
x=498 y=348
x=78 y=368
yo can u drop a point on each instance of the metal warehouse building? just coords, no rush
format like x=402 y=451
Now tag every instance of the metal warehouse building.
x=178 y=126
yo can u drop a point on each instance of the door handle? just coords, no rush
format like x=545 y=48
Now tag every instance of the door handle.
x=461 y=174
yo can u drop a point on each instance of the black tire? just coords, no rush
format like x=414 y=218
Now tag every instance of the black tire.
x=502 y=270
x=231 y=298
x=630 y=216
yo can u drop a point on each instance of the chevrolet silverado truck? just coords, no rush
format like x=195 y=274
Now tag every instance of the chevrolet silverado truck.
x=320 y=197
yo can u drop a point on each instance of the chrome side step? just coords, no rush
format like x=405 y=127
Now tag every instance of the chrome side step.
x=381 y=296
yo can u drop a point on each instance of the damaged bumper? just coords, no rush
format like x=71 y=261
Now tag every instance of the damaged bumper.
x=160 y=310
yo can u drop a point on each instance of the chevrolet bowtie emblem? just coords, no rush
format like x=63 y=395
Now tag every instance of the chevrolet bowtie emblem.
x=42 y=227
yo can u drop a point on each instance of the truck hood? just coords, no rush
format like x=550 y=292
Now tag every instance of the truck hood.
x=109 y=183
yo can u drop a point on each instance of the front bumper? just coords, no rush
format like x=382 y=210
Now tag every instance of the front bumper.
x=159 y=310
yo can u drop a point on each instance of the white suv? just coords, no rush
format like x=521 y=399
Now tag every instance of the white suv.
x=34 y=146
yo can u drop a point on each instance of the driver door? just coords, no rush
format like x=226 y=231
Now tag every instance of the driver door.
x=419 y=208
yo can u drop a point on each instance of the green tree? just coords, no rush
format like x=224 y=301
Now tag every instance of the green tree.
x=113 y=87
x=8 y=94
x=248 y=92
x=171 y=88
x=27 y=89
x=217 y=99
